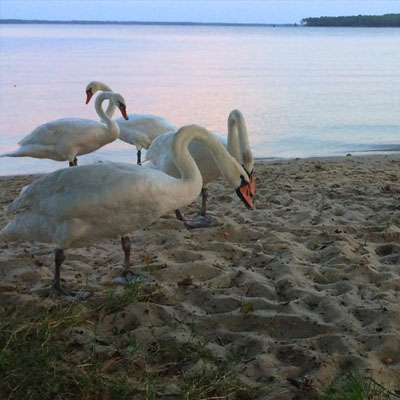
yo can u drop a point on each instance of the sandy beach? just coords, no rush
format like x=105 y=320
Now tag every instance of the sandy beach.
x=300 y=289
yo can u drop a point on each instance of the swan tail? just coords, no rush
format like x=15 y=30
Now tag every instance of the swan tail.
x=32 y=150
x=21 y=152
x=19 y=203
x=9 y=233
x=14 y=206
x=16 y=231
x=5 y=234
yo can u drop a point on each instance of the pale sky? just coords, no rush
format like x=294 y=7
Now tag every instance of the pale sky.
x=244 y=11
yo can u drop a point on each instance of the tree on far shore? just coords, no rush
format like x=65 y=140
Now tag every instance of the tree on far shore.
x=387 y=20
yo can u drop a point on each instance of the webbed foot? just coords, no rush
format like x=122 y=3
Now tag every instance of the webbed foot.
x=128 y=277
x=203 y=221
x=54 y=292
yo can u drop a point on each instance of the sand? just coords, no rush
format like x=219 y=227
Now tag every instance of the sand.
x=303 y=286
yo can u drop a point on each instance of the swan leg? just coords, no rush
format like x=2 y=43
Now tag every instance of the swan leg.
x=126 y=246
x=74 y=162
x=179 y=215
x=204 y=220
x=127 y=276
x=204 y=198
x=56 y=288
x=59 y=258
x=139 y=157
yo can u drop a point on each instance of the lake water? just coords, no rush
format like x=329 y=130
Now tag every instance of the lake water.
x=303 y=91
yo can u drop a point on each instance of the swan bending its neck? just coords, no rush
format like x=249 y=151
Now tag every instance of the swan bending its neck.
x=117 y=101
x=238 y=140
x=234 y=173
x=238 y=144
x=92 y=88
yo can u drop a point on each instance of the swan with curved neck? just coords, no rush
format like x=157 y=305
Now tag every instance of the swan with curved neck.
x=67 y=138
x=75 y=207
x=160 y=157
x=140 y=130
x=238 y=144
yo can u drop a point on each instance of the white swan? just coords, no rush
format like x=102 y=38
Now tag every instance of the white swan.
x=64 y=139
x=160 y=157
x=140 y=130
x=75 y=207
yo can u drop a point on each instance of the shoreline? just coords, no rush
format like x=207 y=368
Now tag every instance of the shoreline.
x=11 y=21
x=370 y=154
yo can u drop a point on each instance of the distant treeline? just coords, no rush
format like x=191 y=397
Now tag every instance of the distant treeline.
x=387 y=20
x=39 y=21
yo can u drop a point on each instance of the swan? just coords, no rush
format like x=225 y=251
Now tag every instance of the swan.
x=75 y=207
x=141 y=129
x=159 y=156
x=66 y=138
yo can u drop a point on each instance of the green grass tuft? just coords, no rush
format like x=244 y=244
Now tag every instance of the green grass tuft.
x=353 y=386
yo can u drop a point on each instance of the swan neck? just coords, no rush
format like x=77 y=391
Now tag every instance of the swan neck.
x=110 y=109
x=238 y=140
x=233 y=140
x=111 y=125
x=184 y=160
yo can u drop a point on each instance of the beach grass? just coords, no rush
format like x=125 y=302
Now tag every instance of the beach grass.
x=354 y=386
x=38 y=361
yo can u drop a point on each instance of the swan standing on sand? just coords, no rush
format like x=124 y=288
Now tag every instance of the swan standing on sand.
x=75 y=207
x=160 y=157
x=141 y=129
x=64 y=139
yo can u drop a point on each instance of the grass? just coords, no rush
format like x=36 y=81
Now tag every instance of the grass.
x=116 y=301
x=354 y=386
x=40 y=359
x=35 y=365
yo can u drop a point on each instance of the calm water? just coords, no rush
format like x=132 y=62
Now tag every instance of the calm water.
x=303 y=91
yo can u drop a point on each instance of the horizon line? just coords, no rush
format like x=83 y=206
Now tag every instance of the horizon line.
x=107 y=22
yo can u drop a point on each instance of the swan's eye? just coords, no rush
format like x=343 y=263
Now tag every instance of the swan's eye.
x=121 y=105
x=89 y=91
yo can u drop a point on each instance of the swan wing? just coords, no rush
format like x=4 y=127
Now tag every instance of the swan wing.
x=50 y=133
x=142 y=129
x=63 y=139
x=160 y=145
x=159 y=155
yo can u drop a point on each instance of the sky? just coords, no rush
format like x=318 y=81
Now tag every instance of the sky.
x=237 y=11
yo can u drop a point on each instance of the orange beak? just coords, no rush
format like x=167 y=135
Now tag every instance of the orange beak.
x=251 y=184
x=245 y=195
x=123 y=112
x=89 y=95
